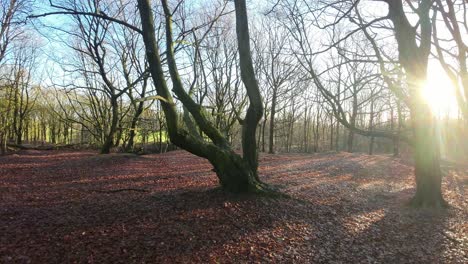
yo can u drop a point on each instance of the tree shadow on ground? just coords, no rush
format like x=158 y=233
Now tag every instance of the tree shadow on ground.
x=361 y=213
x=353 y=212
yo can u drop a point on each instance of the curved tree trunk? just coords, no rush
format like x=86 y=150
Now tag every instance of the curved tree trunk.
x=255 y=109
x=235 y=173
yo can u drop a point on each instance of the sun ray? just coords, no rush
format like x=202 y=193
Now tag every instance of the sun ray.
x=439 y=92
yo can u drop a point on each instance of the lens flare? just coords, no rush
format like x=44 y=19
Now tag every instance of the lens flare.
x=439 y=92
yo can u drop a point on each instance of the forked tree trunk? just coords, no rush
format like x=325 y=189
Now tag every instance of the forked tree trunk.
x=235 y=173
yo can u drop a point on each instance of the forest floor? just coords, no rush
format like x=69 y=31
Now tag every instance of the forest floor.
x=79 y=207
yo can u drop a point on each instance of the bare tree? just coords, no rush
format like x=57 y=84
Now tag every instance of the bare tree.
x=12 y=14
x=236 y=174
x=414 y=43
x=277 y=67
x=20 y=82
x=453 y=54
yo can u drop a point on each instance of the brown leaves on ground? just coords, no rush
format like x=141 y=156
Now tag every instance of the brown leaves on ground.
x=78 y=207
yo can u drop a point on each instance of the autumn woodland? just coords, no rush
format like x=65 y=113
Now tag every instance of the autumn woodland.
x=233 y=131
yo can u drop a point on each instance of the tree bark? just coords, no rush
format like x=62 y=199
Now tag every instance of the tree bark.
x=371 y=124
x=3 y=144
x=263 y=134
x=255 y=109
x=109 y=140
x=271 y=140
x=350 y=141
x=426 y=152
x=396 y=140
x=133 y=126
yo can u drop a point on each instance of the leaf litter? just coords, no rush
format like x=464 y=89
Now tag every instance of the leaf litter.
x=79 y=207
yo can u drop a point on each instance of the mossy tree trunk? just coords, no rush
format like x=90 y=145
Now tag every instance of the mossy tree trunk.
x=235 y=173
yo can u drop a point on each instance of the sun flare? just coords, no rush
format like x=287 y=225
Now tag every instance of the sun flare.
x=439 y=92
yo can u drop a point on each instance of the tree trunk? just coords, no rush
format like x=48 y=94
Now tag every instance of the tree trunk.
x=427 y=160
x=259 y=136
x=331 y=133
x=350 y=141
x=271 y=140
x=234 y=173
x=263 y=133
x=371 y=124
x=306 y=130
x=396 y=140
x=426 y=149
x=19 y=131
x=19 y=137
x=3 y=145
x=353 y=120
x=118 y=135
x=337 y=137
x=109 y=140
x=131 y=140
x=52 y=133
x=131 y=137
x=316 y=131
x=255 y=108
x=291 y=133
